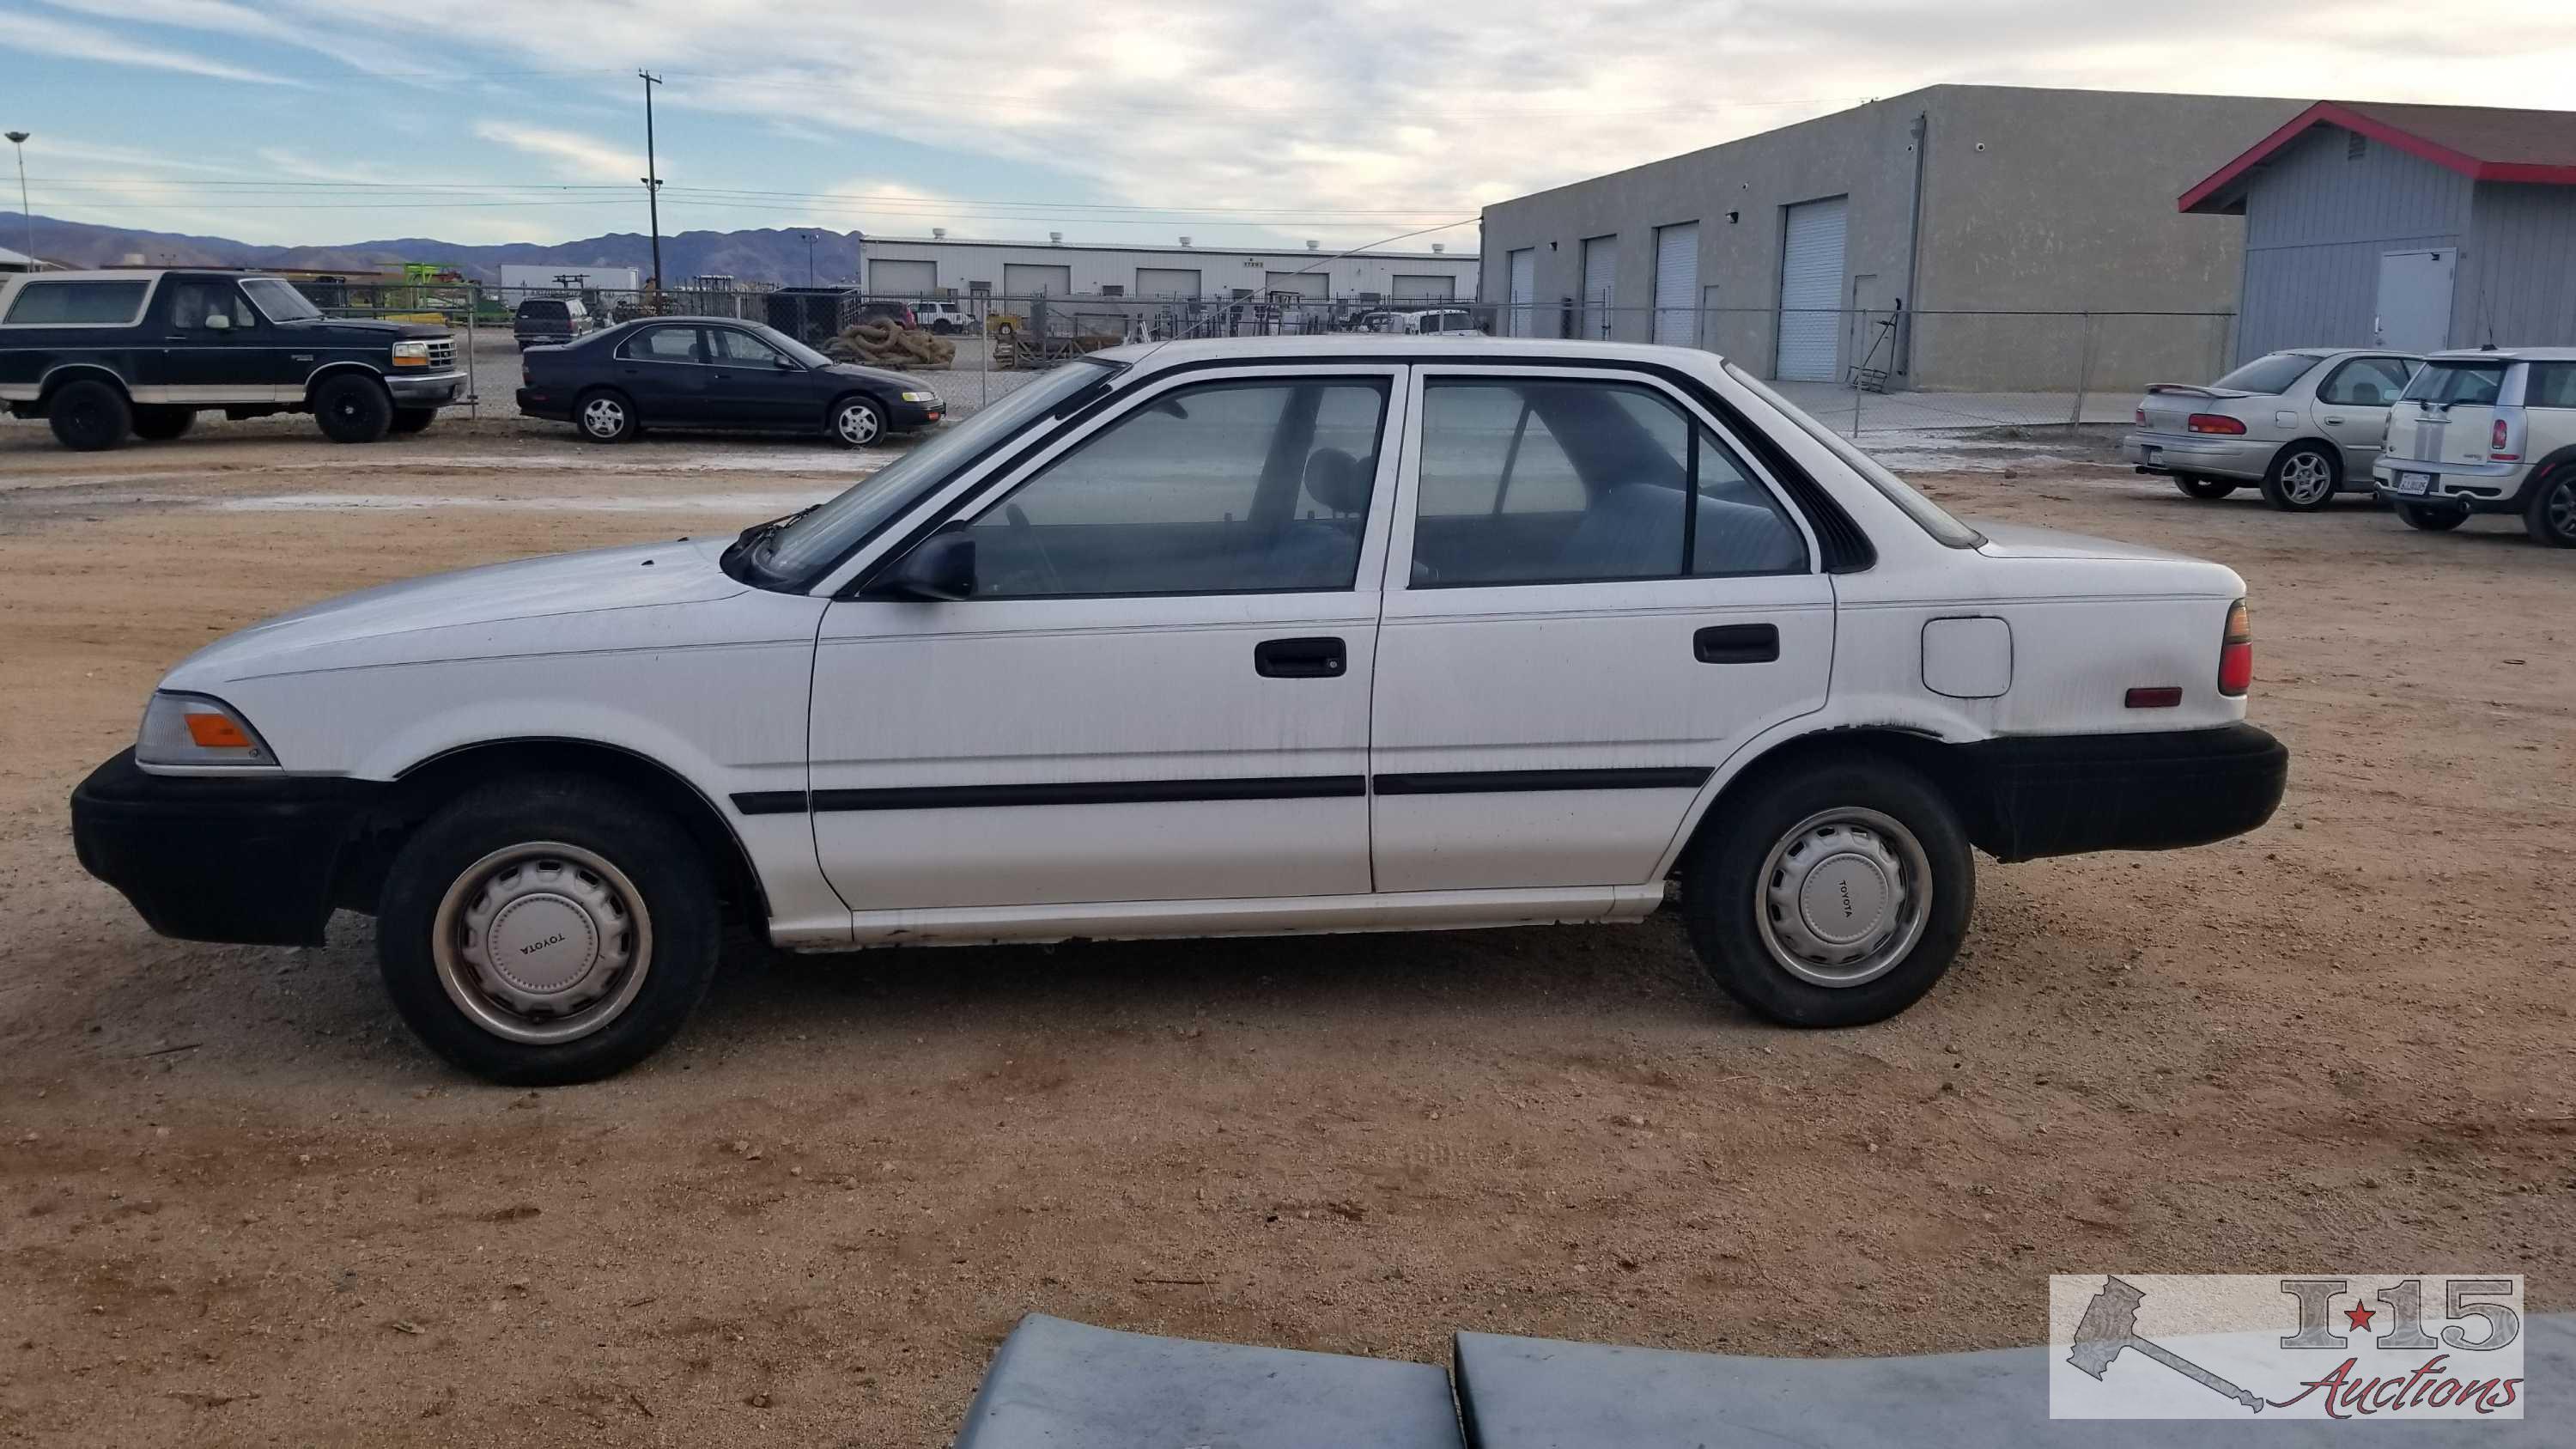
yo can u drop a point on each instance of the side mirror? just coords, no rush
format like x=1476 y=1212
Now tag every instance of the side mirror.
x=942 y=569
x=218 y=322
x=788 y=364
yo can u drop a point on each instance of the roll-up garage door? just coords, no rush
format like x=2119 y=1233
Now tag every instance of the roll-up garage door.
x=1027 y=279
x=1524 y=290
x=1677 y=285
x=888 y=277
x=1302 y=284
x=1167 y=281
x=1600 y=283
x=1424 y=288
x=1811 y=287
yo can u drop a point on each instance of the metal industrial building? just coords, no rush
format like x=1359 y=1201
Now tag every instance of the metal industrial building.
x=941 y=266
x=1997 y=216
x=2419 y=227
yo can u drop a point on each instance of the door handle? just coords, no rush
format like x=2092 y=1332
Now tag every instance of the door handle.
x=1737 y=644
x=1319 y=657
x=2332 y=422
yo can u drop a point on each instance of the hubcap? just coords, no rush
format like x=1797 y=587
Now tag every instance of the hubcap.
x=858 y=425
x=1843 y=897
x=542 y=942
x=2561 y=509
x=603 y=417
x=2305 y=478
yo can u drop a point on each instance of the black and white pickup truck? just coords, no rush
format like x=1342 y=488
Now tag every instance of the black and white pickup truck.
x=140 y=352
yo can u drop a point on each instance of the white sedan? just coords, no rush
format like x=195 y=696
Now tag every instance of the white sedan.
x=1204 y=639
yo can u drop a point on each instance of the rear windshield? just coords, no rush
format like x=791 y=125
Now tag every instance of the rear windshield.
x=2474 y=383
x=1931 y=517
x=544 y=309
x=2271 y=373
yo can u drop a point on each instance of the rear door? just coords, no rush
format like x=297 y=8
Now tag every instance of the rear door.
x=2352 y=408
x=2448 y=412
x=663 y=368
x=1593 y=599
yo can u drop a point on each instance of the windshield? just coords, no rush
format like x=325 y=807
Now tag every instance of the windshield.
x=1928 y=515
x=279 y=302
x=792 y=347
x=816 y=541
x=2474 y=383
x=2270 y=374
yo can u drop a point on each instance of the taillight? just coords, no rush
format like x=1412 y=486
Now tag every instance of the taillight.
x=2215 y=423
x=2236 y=652
x=2142 y=417
x=2501 y=441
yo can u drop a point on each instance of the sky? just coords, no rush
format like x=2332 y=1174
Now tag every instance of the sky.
x=1256 y=123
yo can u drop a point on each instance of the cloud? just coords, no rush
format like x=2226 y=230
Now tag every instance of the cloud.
x=575 y=157
x=45 y=36
x=226 y=18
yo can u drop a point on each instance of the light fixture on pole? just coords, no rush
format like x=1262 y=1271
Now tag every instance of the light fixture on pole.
x=18 y=140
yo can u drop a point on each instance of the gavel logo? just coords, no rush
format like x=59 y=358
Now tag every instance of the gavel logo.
x=2111 y=1325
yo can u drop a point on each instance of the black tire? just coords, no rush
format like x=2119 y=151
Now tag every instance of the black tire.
x=611 y=421
x=856 y=422
x=353 y=408
x=2191 y=486
x=942 y=327
x=161 y=424
x=672 y=929
x=1725 y=880
x=2550 y=517
x=2431 y=520
x=2293 y=484
x=88 y=416
x=414 y=420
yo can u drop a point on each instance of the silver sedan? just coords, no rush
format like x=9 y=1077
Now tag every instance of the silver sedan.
x=2300 y=424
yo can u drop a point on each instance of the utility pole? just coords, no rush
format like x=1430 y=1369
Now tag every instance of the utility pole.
x=18 y=139
x=809 y=261
x=652 y=176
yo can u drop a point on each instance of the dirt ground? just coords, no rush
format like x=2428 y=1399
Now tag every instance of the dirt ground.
x=239 y=1205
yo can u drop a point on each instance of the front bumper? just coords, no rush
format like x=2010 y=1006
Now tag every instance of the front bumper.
x=2199 y=454
x=2477 y=487
x=436 y=389
x=2061 y=794
x=208 y=858
x=904 y=417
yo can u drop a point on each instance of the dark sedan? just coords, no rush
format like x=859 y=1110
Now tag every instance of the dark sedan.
x=715 y=372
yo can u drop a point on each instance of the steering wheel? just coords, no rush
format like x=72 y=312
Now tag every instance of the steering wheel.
x=1018 y=518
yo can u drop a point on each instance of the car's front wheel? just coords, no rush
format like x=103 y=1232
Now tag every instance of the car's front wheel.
x=353 y=408
x=2431 y=520
x=604 y=416
x=1836 y=894
x=2193 y=486
x=2551 y=516
x=857 y=422
x=548 y=930
x=2302 y=479
x=88 y=416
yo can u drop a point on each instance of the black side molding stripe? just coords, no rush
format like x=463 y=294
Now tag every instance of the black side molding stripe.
x=1107 y=792
x=770 y=802
x=1481 y=782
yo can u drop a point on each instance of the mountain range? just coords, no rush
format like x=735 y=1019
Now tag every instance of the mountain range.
x=763 y=255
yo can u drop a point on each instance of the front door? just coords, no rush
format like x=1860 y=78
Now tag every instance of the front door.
x=752 y=384
x=1159 y=689
x=2352 y=408
x=1595 y=600
x=214 y=347
x=664 y=370
x=2415 y=300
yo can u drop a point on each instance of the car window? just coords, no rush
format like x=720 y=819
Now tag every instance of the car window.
x=77 y=302
x=1549 y=481
x=193 y=305
x=2551 y=385
x=1226 y=487
x=2271 y=373
x=2474 y=383
x=663 y=344
x=279 y=301
x=732 y=346
x=2364 y=382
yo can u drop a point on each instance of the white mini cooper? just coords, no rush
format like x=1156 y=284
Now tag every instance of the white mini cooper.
x=1202 y=639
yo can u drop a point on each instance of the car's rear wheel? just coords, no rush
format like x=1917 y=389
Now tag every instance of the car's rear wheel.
x=87 y=416
x=604 y=416
x=857 y=422
x=548 y=930
x=2431 y=520
x=1836 y=894
x=414 y=420
x=2551 y=514
x=161 y=424
x=353 y=408
x=2303 y=478
x=2193 y=486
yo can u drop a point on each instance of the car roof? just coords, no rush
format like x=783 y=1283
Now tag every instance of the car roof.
x=1399 y=348
x=2505 y=354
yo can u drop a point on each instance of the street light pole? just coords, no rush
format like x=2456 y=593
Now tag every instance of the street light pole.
x=18 y=140
x=652 y=177
x=809 y=261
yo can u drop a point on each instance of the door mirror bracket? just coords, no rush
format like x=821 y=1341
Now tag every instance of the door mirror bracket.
x=941 y=570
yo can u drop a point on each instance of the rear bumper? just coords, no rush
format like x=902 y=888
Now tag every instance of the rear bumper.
x=219 y=859
x=2197 y=454
x=2477 y=487
x=551 y=403
x=434 y=390
x=2058 y=795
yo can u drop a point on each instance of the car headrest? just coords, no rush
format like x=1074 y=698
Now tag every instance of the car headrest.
x=1338 y=480
x=2368 y=395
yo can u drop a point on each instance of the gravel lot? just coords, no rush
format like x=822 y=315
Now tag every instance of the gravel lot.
x=238 y=1205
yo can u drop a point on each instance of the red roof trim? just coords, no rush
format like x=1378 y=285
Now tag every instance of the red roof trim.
x=2328 y=113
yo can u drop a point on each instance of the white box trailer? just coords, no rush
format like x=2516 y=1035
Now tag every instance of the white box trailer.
x=539 y=277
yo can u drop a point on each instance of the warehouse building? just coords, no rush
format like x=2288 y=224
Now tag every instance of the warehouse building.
x=1951 y=237
x=942 y=266
x=2416 y=227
